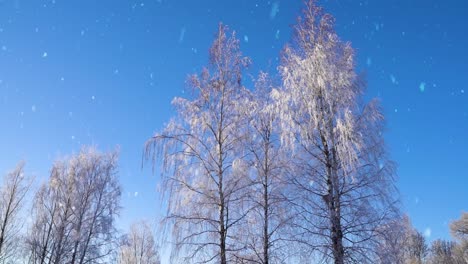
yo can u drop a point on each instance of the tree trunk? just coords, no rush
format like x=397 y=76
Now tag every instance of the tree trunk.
x=333 y=201
x=265 y=227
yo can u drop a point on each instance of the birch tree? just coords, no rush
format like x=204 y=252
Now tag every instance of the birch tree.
x=343 y=175
x=267 y=230
x=12 y=198
x=447 y=252
x=139 y=246
x=74 y=212
x=202 y=166
x=401 y=243
x=459 y=230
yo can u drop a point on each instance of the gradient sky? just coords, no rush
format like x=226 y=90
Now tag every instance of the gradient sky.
x=104 y=73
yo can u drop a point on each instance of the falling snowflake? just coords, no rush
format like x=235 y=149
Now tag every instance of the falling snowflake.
x=274 y=10
x=277 y=35
x=246 y=38
x=44 y=55
x=182 y=35
x=33 y=108
x=428 y=232
x=422 y=86
x=393 y=79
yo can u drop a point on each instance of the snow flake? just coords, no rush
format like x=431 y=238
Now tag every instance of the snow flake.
x=135 y=194
x=393 y=79
x=33 y=108
x=44 y=54
x=274 y=10
x=422 y=86
x=369 y=61
x=428 y=232
x=246 y=38
x=277 y=35
x=93 y=97
x=182 y=35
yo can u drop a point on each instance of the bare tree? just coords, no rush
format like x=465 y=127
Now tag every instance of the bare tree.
x=459 y=230
x=393 y=241
x=344 y=179
x=265 y=235
x=401 y=243
x=74 y=212
x=203 y=170
x=139 y=246
x=12 y=197
x=416 y=248
x=446 y=252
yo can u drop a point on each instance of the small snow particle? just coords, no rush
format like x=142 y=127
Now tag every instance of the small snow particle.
x=377 y=26
x=274 y=10
x=33 y=108
x=462 y=91
x=182 y=35
x=427 y=232
x=73 y=137
x=393 y=79
x=422 y=86
x=4 y=48
x=136 y=194
x=396 y=110
x=277 y=35
x=92 y=97
x=246 y=38
x=44 y=55
x=369 y=61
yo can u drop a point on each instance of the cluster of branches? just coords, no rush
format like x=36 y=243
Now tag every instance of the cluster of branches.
x=72 y=218
x=292 y=170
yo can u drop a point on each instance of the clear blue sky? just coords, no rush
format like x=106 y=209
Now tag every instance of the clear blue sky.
x=104 y=73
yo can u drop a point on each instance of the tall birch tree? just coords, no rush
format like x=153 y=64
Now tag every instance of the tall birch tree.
x=202 y=166
x=13 y=192
x=266 y=234
x=343 y=175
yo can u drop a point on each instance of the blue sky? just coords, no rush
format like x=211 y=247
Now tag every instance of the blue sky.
x=104 y=73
